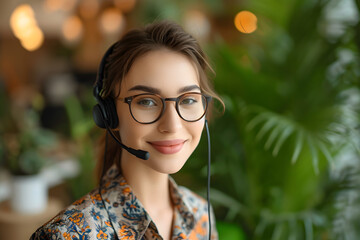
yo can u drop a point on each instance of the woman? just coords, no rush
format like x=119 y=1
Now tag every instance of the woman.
x=153 y=96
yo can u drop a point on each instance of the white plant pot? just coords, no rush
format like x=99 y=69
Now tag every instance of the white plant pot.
x=29 y=194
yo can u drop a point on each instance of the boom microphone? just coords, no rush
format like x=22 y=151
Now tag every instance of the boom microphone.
x=144 y=155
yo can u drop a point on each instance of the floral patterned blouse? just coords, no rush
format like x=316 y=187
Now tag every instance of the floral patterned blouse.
x=116 y=213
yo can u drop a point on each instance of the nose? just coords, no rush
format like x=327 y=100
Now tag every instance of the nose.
x=170 y=121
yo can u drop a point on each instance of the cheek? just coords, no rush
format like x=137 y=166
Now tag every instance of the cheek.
x=128 y=131
x=195 y=129
x=131 y=132
x=127 y=126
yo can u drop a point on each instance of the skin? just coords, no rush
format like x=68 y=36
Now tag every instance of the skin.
x=169 y=73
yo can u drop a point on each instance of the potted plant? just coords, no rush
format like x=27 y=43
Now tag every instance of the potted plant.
x=24 y=144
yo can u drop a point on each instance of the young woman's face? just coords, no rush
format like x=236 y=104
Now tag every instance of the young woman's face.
x=170 y=140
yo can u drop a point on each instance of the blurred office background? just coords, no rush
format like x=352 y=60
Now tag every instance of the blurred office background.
x=286 y=152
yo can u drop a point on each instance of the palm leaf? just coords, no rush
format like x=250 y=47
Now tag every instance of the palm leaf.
x=235 y=207
x=298 y=146
x=256 y=120
x=327 y=154
x=272 y=136
x=280 y=128
x=271 y=122
x=288 y=130
x=313 y=150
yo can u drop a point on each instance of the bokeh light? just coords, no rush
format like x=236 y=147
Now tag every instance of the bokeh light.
x=25 y=28
x=22 y=19
x=33 y=40
x=72 y=29
x=111 y=21
x=245 y=22
x=197 y=24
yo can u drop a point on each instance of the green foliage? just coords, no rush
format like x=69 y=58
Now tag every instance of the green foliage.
x=81 y=127
x=228 y=231
x=24 y=143
x=292 y=114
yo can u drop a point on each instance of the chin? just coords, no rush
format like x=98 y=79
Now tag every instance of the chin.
x=168 y=166
x=169 y=171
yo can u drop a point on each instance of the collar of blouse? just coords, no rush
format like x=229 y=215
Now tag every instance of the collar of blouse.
x=129 y=218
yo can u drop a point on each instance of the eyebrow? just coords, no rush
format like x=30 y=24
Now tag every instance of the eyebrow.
x=145 y=89
x=157 y=91
x=188 y=88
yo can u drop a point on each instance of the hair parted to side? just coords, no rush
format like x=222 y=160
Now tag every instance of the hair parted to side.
x=134 y=44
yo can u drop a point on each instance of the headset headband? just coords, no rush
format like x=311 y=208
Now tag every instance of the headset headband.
x=100 y=75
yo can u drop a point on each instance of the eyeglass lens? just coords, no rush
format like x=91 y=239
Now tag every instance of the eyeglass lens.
x=148 y=108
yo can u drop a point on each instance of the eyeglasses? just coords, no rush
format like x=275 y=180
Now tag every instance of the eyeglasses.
x=147 y=108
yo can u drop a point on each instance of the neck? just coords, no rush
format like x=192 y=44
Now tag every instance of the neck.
x=149 y=186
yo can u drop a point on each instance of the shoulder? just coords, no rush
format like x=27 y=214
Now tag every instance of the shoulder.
x=199 y=209
x=78 y=221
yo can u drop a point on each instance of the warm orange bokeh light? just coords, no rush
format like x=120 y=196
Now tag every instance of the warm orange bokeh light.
x=22 y=20
x=72 y=29
x=245 y=22
x=22 y=26
x=23 y=10
x=33 y=40
x=111 y=21
x=25 y=28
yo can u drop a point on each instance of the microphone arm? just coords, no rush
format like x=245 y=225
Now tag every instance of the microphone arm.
x=144 y=155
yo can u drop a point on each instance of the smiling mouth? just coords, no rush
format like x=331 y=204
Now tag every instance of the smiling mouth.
x=168 y=147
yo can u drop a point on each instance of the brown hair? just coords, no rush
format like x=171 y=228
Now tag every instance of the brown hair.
x=135 y=44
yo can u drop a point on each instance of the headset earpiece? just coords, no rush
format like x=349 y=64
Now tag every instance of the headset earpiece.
x=105 y=110
x=97 y=116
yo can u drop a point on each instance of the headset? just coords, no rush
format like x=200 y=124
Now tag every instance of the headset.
x=105 y=116
x=104 y=112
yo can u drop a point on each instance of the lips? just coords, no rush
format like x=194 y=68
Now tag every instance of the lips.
x=169 y=146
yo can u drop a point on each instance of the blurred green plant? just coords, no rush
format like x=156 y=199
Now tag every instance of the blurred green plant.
x=229 y=231
x=81 y=128
x=292 y=116
x=24 y=144
x=25 y=148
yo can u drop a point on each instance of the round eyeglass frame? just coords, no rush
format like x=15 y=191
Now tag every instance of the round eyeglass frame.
x=129 y=100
